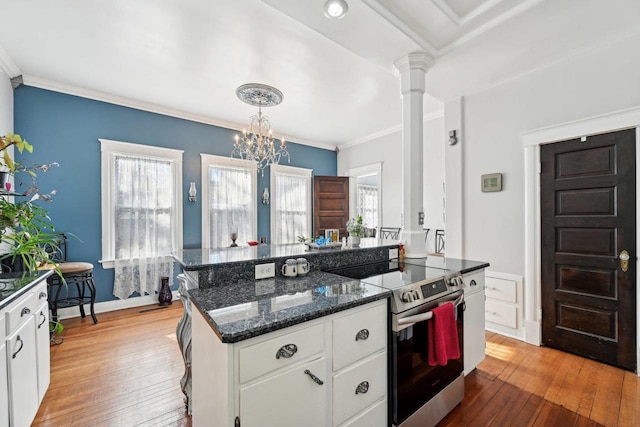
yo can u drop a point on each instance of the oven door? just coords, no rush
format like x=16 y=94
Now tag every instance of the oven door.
x=413 y=382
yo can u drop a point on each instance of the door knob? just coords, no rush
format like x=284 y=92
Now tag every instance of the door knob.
x=624 y=260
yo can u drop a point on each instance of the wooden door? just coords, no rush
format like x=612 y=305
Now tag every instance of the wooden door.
x=588 y=211
x=330 y=204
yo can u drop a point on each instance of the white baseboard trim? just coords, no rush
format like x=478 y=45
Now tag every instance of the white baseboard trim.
x=106 y=306
x=502 y=330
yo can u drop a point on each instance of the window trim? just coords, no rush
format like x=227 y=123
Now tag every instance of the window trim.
x=207 y=160
x=292 y=171
x=109 y=149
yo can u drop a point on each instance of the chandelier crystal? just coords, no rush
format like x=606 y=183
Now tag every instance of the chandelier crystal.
x=257 y=144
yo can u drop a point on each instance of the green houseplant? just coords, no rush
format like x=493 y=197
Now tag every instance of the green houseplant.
x=356 y=230
x=26 y=233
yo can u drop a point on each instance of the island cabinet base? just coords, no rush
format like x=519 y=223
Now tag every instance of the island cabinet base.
x=330 y=371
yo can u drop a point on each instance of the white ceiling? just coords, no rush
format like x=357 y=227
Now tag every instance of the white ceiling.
x=187 y=58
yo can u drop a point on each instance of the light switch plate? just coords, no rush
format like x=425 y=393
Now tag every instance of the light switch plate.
x=393 y=253
x=264 y=271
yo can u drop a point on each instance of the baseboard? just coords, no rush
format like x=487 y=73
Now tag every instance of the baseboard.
x=507 y=332
x=106 y=306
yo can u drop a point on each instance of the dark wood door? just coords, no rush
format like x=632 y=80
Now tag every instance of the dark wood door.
x=330 y=204
x=588 y=217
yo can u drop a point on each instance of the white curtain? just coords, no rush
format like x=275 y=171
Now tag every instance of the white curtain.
x=143 y=203
x=368 y=205
x=291 y=208
x=231 y=205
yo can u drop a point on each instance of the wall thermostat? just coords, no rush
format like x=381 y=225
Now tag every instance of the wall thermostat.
x=491 y=182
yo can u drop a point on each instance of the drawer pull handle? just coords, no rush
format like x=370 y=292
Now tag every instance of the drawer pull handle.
x=19 y=349
x=363 y=387
x=44 y=319
x=287 y=351
x=362 y=335
x=473 y=283
x=42 y=295
x=25 y=310
x=313 y=377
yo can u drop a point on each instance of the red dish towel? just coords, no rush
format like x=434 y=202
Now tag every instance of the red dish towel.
x=443 y=335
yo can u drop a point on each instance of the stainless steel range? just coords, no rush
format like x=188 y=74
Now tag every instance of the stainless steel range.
x=420 y=394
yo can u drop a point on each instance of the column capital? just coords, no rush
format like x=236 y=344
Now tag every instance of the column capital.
x=413 y=61
x=412 y=69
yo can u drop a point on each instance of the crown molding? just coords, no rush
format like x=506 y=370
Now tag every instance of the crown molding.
x=7 y=65
x=152 y=108
x=425 y=118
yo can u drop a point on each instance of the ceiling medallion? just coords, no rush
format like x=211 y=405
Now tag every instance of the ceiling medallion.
x=257 y=145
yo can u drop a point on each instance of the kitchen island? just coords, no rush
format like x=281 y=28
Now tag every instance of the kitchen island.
x=223 y=279
x=309 y=350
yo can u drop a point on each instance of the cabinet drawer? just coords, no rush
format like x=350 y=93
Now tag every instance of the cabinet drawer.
x=264 y=357
x=358 y=335
x=346 y=402
x=375 y=416
x=501 y=289
x=501 y=313
x=21 y=310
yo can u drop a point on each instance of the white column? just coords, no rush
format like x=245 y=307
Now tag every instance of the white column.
x=412 y=70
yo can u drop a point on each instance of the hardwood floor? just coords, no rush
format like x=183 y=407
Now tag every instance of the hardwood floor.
x=125 y=371
x=523 y=385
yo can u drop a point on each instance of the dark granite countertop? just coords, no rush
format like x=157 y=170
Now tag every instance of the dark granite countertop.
x=242 y=310
x=13 y=285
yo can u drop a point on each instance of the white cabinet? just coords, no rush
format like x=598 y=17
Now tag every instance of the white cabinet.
x=41 y=320
x=289 y=398
x=504 y=308
x=324 y=372
x=4 y=385
x=474 y=320
x=24 y=357
x=23 y=376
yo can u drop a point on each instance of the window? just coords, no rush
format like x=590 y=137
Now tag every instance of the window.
x=141 y=214
x=229 y=202
x=290 y=203
x=368 y=205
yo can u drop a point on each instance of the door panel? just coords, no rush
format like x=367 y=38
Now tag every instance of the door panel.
x=330 y=204
x=588 y=210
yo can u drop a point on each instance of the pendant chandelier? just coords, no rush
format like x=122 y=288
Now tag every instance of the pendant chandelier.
x=257 y=144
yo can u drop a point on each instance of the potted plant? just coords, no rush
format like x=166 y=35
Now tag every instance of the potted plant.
x=356 y=230
x=26 y=230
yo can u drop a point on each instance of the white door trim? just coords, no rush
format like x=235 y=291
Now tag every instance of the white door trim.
x=531 y=142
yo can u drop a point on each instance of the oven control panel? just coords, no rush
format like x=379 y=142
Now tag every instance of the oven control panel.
x=433 y=288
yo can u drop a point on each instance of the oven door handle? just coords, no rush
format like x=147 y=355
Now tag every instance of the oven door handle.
x=426 y=316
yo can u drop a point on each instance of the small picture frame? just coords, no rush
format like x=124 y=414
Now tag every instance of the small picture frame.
x=332 y=235
x=491 y=182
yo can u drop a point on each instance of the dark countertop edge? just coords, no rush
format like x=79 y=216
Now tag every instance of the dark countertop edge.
x=245 y=335
x=5 y=302
x=474 y=268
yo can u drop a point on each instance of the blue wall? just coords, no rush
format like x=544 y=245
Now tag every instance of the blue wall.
x=65 y=129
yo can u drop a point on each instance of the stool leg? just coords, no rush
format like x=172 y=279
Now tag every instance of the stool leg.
x=92 y=291
x=81 y=298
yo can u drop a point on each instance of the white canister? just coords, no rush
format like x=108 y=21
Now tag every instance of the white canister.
x=303 y=266
x=290 y=268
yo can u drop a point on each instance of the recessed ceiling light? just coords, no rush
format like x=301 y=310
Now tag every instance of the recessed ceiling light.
x=335 y=9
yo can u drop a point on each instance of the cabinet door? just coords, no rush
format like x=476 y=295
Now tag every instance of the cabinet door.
x=289 y=398
x=474 y=338
x=4 y=386
x=41 y=319
x=23 y=378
